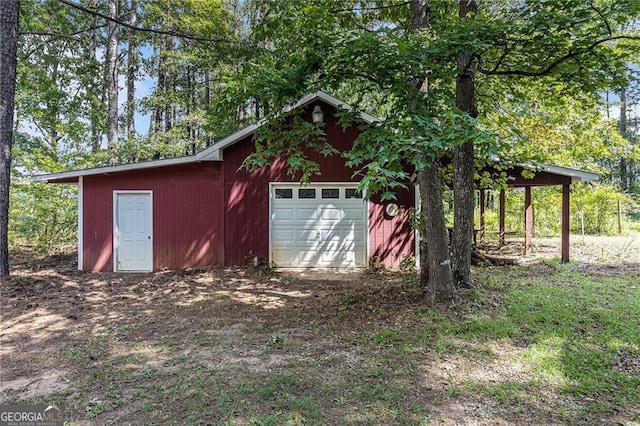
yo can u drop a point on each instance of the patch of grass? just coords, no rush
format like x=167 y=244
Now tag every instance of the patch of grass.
x=386 y=336
x=484 y=326
x=548 y=344
x=574 y=326
x=276 y=342
x=453 y=391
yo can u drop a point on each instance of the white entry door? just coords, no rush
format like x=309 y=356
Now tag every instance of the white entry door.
x=318 y=226
x=133 y=237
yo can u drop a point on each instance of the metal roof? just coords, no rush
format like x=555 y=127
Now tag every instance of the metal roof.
x=215 y=151
x=212 y=153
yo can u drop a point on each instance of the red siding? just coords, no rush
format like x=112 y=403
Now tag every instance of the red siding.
x=215 y=214
x=391 y=239
x=187 y=215
x=247 y=200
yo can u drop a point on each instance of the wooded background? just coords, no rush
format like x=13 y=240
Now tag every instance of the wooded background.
x=103 y=82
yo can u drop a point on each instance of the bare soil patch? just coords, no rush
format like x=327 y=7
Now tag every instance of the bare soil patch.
x=245 y=346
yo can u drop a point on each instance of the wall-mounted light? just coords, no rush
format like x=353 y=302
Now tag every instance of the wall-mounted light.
x=317 y=114
x=392 y=210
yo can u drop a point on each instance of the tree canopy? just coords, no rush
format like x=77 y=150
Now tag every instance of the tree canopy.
x=463 y=80
x=445 y=77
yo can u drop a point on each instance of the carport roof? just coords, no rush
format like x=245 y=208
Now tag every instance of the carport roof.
x=544 y=174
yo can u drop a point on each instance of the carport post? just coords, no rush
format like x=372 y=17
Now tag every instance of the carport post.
x=528 y=220
x=482 y=215
x=502 y=213
x=565 y=222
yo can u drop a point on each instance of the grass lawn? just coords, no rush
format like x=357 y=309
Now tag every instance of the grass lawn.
x=539 y=344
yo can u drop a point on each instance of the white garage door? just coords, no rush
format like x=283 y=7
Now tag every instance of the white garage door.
x=318 y=226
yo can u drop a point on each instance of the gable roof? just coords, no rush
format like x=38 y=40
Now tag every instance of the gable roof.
x=215 y=151
x=212 y=153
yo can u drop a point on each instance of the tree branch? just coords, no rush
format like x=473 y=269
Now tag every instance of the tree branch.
x=67 y=36
x=147 y=30
x=362 y=27
x=553 y=65
x=70 y=37
x=604 y=19
x=605 y=63
x=55 y=35
x=360 y=9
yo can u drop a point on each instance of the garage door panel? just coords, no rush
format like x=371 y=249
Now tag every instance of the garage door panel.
x=356 y=235
x=360 y=258
x=285 y=257
x=308 y=235
x=307 y=214
x=331 y=234
x=336 y=245
x=283 y=235
x=283 y=214
x=310 y=258
x=331 y=256
x=307 y=256
x=327 y=234
x=355 y=214
x=318 y=232
x=341 y=258
x=331 y=214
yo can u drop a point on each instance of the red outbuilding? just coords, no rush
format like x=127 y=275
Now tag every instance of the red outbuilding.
x=205 y=210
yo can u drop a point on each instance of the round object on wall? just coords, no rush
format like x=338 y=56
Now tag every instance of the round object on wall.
x=392 y=209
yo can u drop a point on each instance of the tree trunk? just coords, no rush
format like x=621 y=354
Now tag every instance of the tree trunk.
x=157 y=116
x=207 y=100
x=191 y=144
x=436 y=278
x=112 y=76
x=169 y=83
x=95 y=99
x=53 y=108
x=439 y=287
x=131 y=73
x=9 y=12
x=424 y=254
x=622 y=126
x=420 y=10
x=463 y=164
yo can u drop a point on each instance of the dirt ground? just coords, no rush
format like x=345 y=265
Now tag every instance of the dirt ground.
x=589 y=249
x=64 y=330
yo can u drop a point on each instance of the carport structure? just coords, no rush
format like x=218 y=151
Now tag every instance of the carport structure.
x=519 y=176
